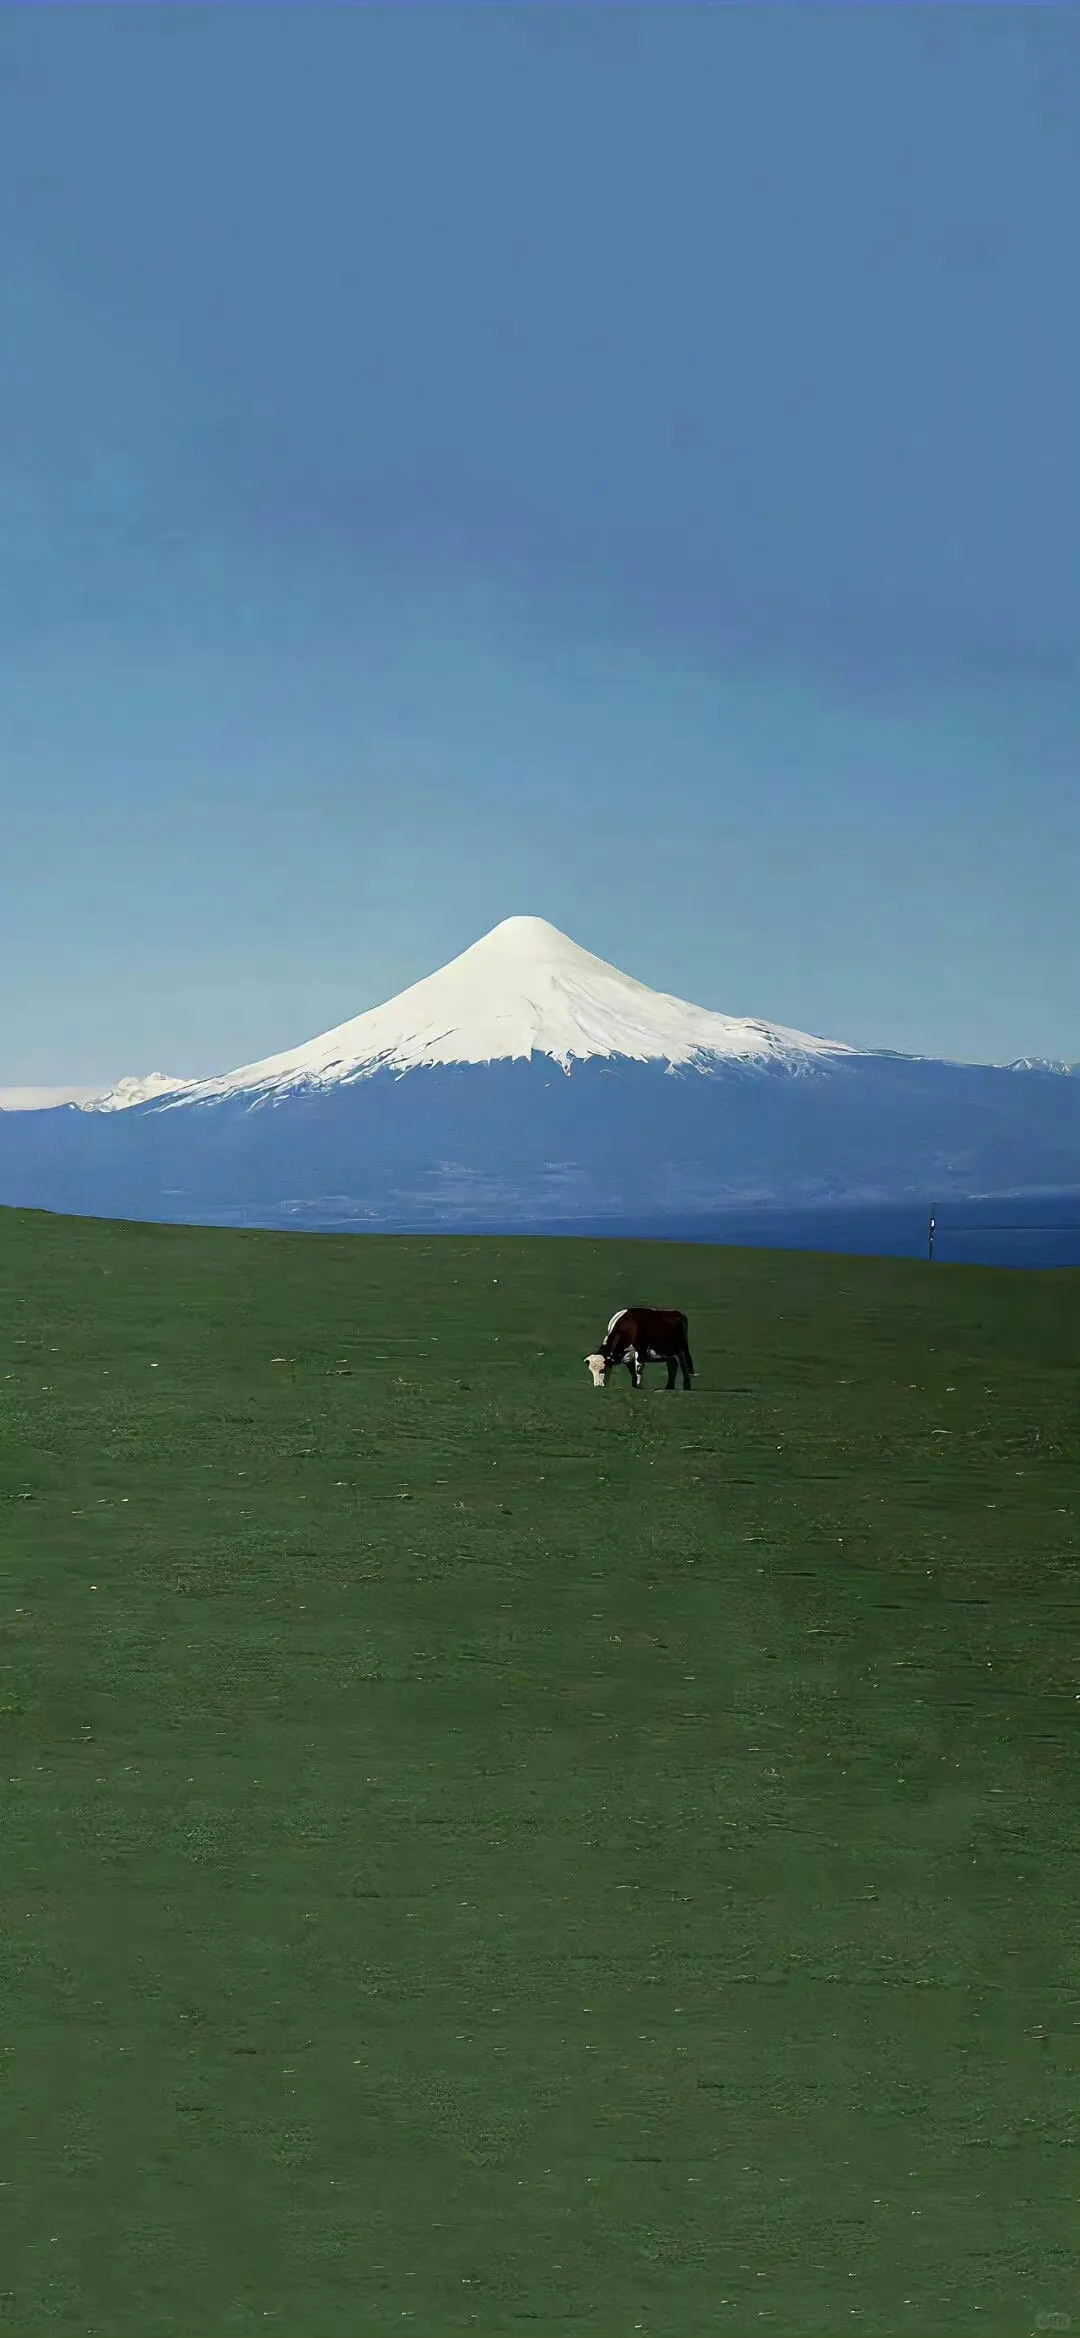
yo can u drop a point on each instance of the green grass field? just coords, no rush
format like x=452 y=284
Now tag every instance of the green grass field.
x=480 y=1852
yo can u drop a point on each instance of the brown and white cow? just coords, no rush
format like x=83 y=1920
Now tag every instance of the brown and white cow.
x=644 y=1335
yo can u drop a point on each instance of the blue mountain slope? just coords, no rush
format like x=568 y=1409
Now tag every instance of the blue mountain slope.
x=474 y=1147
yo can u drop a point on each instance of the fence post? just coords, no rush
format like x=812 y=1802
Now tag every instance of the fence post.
x=932 y=1224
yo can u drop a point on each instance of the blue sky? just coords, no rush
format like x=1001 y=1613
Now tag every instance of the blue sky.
x=613 y=463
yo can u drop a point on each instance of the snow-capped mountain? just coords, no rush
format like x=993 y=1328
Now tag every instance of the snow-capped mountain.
x=523 y=990
x=135 y=1089
x=531 y=1085
x=138 y=1089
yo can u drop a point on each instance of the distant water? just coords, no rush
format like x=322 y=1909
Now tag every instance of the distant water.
x=1026 y=1230
x=1014 y=1230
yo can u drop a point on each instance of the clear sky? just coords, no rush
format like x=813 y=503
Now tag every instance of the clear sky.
x=613 y=463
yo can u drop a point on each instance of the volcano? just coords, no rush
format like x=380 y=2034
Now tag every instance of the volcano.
x=529 y=1084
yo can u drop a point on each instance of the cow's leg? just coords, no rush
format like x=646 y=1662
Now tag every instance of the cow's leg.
x=672 y=1368
x=633 y=1366
x=687 y=1369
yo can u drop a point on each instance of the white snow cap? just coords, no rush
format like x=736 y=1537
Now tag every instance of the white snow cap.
x=135 y=1089
x=524 y=989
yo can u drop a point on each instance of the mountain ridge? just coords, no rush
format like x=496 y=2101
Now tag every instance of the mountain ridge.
x=531 y=1084
x=523 y=990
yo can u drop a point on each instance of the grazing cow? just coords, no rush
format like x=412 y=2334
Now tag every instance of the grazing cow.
x=644 y=1335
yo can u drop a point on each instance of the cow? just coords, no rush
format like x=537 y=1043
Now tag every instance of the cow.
x=637 y=1336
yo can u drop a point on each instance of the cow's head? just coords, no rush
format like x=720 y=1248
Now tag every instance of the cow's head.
x=599 y=1367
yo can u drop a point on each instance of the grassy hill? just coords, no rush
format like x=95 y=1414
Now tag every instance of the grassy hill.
x=482 y=1853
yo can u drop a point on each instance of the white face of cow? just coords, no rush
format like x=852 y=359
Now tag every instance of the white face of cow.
x=598 y=1368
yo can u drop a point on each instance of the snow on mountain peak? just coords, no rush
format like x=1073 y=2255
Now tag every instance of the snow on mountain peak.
x=137 y=1088
x=523 y=989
